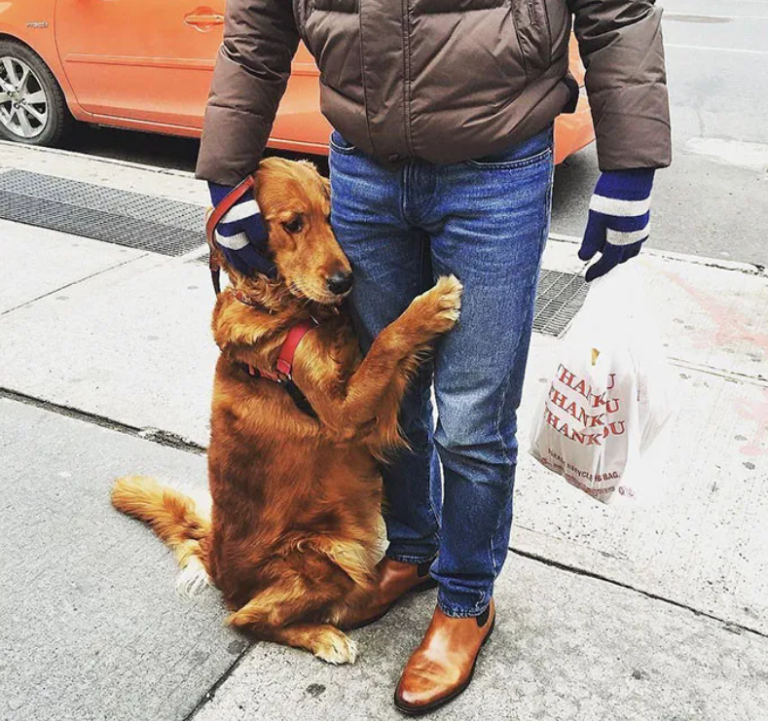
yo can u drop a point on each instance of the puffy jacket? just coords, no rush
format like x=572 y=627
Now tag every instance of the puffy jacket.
x=440 y=80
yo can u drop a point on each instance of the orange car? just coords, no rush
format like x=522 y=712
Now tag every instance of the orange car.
x=146 y=65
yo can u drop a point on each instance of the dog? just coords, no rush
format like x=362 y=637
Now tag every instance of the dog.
x=293 y=535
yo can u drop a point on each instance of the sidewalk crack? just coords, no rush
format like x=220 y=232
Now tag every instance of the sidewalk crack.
x=74 y=282
x=211 y=692
x=724 y=373
x=731 y=626
x=153 y=435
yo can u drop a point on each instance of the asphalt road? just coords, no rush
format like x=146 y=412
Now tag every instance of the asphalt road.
x=713 y=201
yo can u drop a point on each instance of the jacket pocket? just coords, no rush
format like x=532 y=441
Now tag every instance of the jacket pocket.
x=339 y=6
x=533 y=33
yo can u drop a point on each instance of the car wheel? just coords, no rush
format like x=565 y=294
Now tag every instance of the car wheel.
x=32 y=106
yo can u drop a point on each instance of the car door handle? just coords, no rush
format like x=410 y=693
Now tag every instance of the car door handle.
x=204 y=21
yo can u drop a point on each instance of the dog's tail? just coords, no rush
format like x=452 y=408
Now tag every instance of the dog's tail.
x=175 y=518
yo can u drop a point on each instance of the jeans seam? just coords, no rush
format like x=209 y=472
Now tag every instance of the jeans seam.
x=404 y=195
x=432 y=445
x=534 y=283
x=504 y=453
x=432 y=505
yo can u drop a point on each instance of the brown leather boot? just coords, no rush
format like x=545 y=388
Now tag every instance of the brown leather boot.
x=395 y=579
x=443 y=665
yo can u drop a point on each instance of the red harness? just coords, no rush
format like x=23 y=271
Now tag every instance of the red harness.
x=284 y=366
x=283 y=374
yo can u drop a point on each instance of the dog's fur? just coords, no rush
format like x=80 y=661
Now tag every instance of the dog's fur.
x=293 y=536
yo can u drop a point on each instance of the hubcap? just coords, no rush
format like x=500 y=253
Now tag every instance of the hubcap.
x=23 y=102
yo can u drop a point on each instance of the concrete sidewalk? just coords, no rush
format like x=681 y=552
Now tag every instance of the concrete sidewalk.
x=92 y=628
x=652 y=613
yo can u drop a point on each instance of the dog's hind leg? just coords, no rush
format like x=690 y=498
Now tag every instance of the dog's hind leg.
x=277 y=613
x=323 y=640
x=284 y=602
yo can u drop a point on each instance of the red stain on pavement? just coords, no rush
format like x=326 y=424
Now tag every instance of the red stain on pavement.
x=756 y=410
x=732 y=329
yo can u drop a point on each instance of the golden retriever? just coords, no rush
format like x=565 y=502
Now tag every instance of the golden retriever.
x=293 y=536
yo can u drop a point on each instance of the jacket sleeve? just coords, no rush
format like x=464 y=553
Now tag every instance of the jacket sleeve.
x=252 y=70
x=621 y=45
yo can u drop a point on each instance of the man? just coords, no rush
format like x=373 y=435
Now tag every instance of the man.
x=442 y=163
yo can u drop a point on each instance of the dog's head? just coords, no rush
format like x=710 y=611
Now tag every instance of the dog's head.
x=295 y=202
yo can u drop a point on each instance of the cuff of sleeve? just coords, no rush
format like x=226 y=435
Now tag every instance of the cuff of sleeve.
x=637 y=136
x=232 y=144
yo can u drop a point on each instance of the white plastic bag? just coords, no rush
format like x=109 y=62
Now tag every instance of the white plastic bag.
x=608 y=399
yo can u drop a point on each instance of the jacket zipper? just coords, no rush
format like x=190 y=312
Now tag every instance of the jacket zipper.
x=406 y=23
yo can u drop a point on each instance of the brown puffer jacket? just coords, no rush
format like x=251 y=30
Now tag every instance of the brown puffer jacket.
x=441 y=80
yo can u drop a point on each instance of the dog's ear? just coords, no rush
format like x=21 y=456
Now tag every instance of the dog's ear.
x=326 y=183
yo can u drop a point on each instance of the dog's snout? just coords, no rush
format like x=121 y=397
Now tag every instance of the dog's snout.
x=340 y=282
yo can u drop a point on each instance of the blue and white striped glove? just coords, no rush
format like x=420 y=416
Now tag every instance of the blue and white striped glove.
x=242 y=233
x=619 y=219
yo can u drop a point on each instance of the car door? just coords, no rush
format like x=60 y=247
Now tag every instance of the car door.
x=140 y=60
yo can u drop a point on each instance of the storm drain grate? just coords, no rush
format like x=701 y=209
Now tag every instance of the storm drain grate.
x=559 y=297
x=134 y=220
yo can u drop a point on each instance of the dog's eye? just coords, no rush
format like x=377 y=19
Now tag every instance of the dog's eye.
x=295 y=225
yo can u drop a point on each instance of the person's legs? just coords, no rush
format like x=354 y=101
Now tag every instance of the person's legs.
x=489 y=224
x=488 y=221
x=391 y=264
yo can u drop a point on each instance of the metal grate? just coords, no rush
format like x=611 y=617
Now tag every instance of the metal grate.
x=559 y=297
x=131 y=219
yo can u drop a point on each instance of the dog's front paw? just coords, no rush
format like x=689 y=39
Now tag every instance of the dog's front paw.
x=334 y=646
x=440 y=306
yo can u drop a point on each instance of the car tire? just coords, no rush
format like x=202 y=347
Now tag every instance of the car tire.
x=45 y=121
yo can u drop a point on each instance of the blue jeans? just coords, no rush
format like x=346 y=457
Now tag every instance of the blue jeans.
x=485 y=221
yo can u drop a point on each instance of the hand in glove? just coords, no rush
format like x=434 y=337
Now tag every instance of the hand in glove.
x=242 y=234
x=619 y=219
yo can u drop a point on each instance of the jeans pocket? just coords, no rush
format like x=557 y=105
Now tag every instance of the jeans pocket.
x=530 y=151
x=340 y=145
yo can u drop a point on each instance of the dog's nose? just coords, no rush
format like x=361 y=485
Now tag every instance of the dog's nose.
x=340 y=283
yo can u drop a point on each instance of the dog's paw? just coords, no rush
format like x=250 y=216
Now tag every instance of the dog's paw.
x=333 y=646
x=193 y=579
x=448 y=290
x=440 y=305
